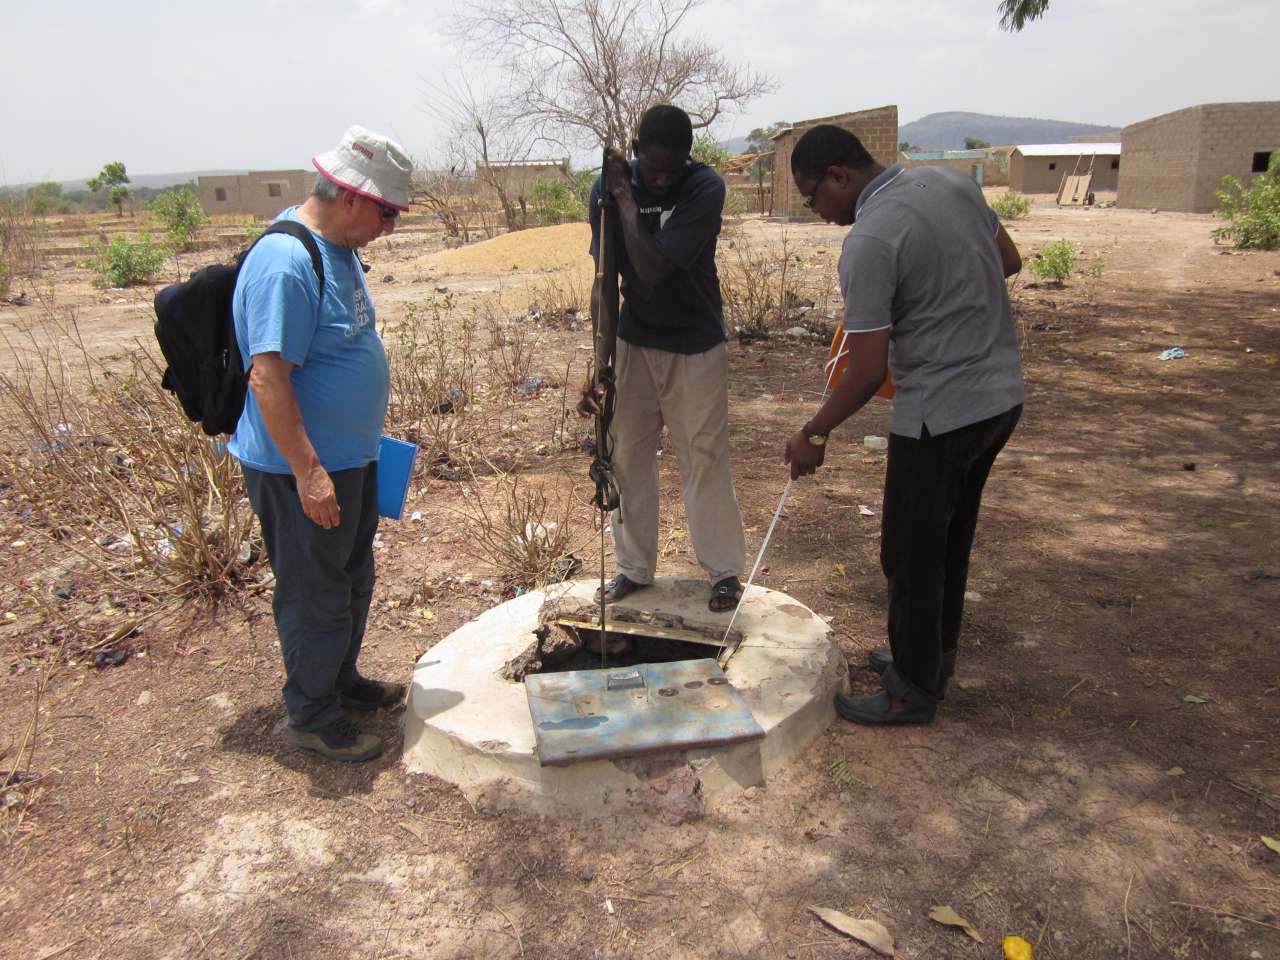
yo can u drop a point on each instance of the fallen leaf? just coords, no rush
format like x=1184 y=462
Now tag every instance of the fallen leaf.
x=949 y=918
x=416 y=829
x=1272 y=844
x=1195 y=698
x=1015 y=948
x=1175 y=772
x=873 y=934
x=840 y=569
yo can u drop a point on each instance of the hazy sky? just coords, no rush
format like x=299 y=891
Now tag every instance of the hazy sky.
x=178 y=86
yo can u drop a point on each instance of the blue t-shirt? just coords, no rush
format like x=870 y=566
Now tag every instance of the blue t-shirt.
x=684 y=313
x=340 y=375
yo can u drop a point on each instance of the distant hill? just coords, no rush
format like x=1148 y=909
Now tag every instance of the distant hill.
x=946 y=131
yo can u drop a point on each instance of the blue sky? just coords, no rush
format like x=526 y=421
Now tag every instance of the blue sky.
x=184 y=86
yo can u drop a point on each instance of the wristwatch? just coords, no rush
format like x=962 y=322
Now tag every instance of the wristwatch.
x=817 y=439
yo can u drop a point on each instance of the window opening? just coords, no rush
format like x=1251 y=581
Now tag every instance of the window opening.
x=1261 y=161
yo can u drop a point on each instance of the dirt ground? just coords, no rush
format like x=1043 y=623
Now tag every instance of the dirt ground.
x=1099 y=781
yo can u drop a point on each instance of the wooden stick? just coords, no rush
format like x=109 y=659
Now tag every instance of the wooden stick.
x=1222 y=913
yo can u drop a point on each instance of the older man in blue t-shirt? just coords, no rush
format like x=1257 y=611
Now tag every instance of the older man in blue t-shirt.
x=308 y=437
x=672 y=364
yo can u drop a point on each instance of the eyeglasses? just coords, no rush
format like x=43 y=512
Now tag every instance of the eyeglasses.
x=387 y=213
x=812 y=198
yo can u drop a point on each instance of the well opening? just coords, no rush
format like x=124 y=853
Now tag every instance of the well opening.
x=572 y=642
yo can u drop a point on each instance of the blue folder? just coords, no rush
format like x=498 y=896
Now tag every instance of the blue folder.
x=395 y=467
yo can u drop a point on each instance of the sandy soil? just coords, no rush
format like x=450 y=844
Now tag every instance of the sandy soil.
x=1099 y=783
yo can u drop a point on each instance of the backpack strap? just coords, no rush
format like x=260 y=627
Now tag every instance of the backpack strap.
x=303 y=236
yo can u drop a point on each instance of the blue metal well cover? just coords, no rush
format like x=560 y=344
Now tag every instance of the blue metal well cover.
x=625 y=711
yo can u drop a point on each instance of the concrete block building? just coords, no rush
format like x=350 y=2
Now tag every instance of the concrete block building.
x=1176 y=161
x=1040 y=167
x=517 y=178
x=876 y=128
x=258 y=193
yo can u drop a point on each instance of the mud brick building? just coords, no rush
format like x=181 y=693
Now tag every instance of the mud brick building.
x=1040 y=167
x=876 y=128
x=1177 y=161
x=258 y=193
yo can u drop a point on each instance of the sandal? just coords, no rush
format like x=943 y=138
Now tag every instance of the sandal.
x=619 y=587
x=725 y=595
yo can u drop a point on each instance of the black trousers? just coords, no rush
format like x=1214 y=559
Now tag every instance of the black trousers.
x=932 y=492
x=324 y=582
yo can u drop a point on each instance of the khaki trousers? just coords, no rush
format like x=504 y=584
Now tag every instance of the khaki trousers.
x=690 y=394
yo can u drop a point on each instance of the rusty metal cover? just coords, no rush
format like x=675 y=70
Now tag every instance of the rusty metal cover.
x=626 y=711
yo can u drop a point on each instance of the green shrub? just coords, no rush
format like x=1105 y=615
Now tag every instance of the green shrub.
x=1055 y=262
x=1011 y=205
x=180 y=211
x=1253 y=212
x=707 y=150
x=553 y=202
x=122 y=262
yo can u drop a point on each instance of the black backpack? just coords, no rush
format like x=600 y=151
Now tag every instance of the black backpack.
x=197 y=337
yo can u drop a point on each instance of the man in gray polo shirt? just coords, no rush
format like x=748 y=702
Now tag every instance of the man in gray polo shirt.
x=922 y=273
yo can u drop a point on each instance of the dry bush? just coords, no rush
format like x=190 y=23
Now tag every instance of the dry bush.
x=433 y=401
x=560 y=299
x=116 y=475
x=511 y=352
x=525 y=533
x=20 y=238
x=20 y=789
x=763 y=291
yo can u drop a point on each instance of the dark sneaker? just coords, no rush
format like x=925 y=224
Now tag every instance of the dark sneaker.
x=340 y=740
x=372 y=694
x=876 y=710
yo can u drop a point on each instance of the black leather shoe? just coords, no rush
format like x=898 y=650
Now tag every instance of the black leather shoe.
x=876 y=710
x=878 y=661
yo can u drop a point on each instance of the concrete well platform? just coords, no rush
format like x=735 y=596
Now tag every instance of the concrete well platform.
x=469 y=726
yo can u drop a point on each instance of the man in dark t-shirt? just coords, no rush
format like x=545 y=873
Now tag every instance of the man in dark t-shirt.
x=672 y=363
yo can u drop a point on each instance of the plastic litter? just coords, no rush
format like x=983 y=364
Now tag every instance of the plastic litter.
x=875 y=443
x=1173 y=353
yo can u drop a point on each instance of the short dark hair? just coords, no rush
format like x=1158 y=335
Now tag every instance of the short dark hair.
x=824 y=146
x=666 y=126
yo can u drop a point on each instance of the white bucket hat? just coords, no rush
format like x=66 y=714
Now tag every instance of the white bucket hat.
x=369 y=164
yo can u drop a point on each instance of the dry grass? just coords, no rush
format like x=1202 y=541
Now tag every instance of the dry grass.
x=114 y=472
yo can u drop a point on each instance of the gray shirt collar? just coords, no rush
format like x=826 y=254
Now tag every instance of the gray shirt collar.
x=875 y=186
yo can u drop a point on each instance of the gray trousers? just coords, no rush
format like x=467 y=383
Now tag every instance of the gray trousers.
x=690 y=394
x=324 y=582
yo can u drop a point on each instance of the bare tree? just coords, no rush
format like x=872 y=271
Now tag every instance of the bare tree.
x=484 y=134
x=443 y=192
x=583 y=71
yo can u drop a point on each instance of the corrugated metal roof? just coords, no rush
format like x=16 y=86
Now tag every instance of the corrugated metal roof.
x=1066 y=149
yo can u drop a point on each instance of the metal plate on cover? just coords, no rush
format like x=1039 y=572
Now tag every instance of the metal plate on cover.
x=611 y=713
